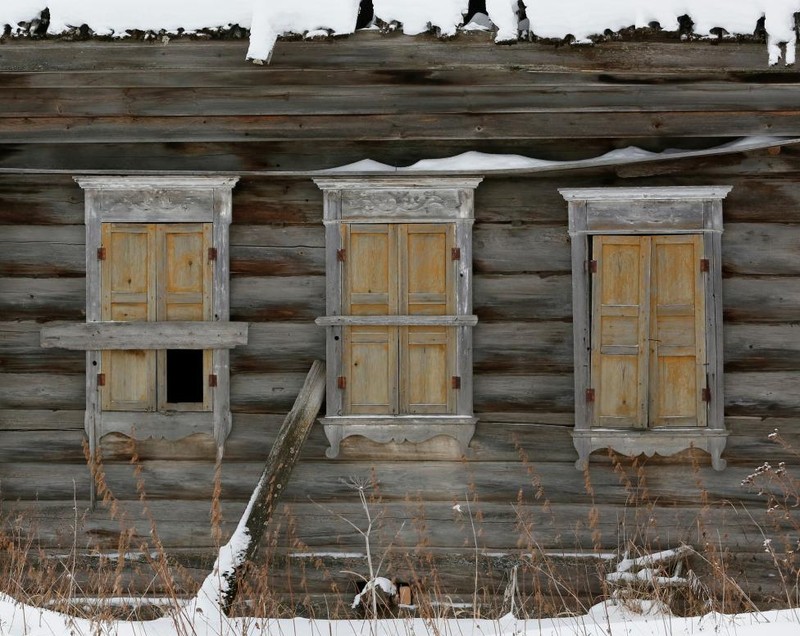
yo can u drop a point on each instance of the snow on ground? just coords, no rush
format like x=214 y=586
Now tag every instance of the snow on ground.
x=605 y=619
x=271 y=18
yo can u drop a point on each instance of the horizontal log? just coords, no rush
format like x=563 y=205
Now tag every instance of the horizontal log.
x=43 y=299
x=310 y=99
x=509 y=437
x=22 y=351
x=446 y=482
x=43 y=251
x=367 y=51
x=239 y=75
x=760 y=299
x=94 y=336
x=766 y=394
x=446 y=126
x=32 y=420
x=279 y=346
x=277 y=298
x=256 y=250
x=761 y=347
x=527 y=530
x=42 y=391
x=277 y=261
x=761 y=249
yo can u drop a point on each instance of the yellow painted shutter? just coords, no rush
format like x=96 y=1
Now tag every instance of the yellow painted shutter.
x=426 y=288
x=677 y=373
x=184 y=283
x=370 y=288
x=128 y=275
x=620 y=330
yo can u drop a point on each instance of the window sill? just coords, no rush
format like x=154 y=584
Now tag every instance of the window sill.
x=172 y=425
x=662 y=441
x=401 y=428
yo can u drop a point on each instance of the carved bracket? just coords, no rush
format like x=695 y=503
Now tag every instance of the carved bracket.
x=397 y=429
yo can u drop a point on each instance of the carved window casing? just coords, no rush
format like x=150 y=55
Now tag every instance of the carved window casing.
x=647 y=316
x=157 y=332
x=399 y=309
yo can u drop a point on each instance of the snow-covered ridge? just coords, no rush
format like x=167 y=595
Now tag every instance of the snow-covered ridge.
x=269 y=19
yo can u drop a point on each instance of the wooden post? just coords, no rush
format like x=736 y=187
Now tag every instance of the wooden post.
x=277 y=471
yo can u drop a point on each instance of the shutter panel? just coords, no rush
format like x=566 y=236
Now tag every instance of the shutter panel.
x=370 y=363
x=619 y=330
x=185 y=279
x=370 y=282
x=184 y=283
x=128 y=280
x=427 y=370
x=370 y=288
x=426 y=288
x=677 y=373
x=427 y=269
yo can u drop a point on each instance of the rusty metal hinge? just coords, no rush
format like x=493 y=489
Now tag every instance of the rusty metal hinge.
x=590 y=395
x=704 y=265
x=455 y=381
x=101 y=253
x=212 y=253
x=212 y=380
x=101 y=379
x=706 y=395
x=592 y=266
x=455 y=254
x=341 y=382
x=341 y=255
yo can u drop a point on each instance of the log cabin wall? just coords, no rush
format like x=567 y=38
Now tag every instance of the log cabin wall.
x=67 y=108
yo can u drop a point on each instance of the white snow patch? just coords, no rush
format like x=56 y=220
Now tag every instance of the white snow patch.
x=486 y=163
x=417 y=15
x=605 y=619
x=268 y=19
x=272 y=18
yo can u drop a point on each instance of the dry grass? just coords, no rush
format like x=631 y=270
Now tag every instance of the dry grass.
x=532 y=581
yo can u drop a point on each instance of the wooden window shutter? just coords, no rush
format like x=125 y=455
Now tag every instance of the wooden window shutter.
x=128 y=293
x=427 y=362
x=620 y=330
x=370 y=288
x=184 y=284
x=677 y=372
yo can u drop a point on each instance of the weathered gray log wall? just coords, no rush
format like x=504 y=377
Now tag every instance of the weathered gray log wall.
x=196 y=106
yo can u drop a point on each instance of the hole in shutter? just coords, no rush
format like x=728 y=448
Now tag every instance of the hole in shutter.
x=184 y=375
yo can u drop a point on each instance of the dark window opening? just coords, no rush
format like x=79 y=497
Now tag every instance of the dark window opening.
x=184 y=375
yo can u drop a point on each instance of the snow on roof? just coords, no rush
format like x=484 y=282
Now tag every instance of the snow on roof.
x=269 y=19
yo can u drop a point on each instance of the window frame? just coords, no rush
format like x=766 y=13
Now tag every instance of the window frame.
x=397 y=200
x=155 y=200
x=674 y=210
